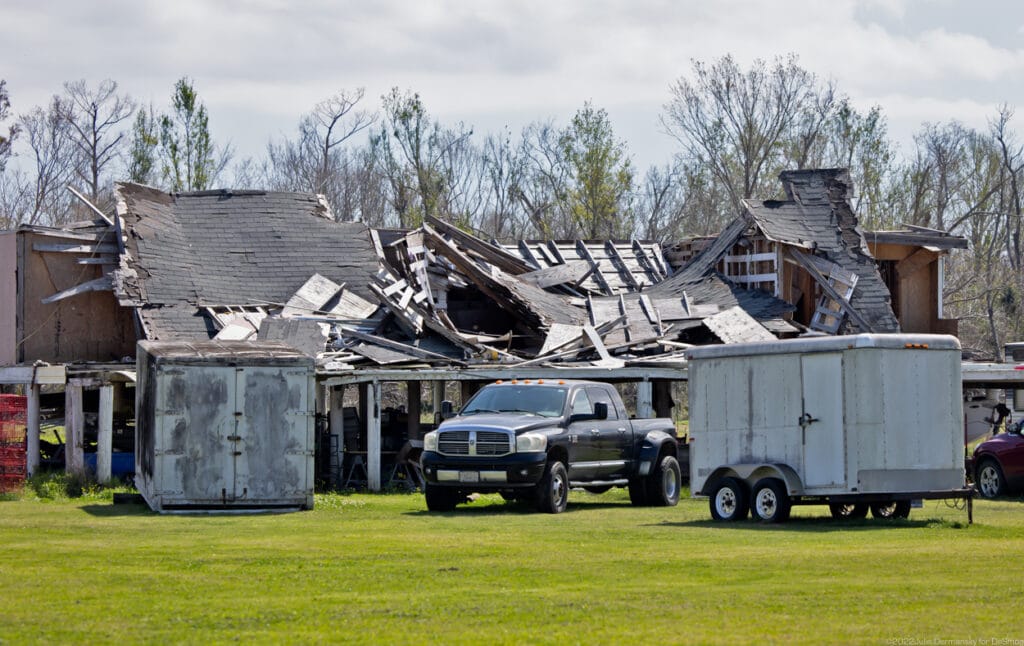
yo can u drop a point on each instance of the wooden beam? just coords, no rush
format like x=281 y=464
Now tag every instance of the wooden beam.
x=101 y=284
x=494 y=255
x=414 y=398
x=74 y=429
x=101 y=248
x=92 y=206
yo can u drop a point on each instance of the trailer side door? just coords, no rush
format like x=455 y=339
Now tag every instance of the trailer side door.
x=822 y=420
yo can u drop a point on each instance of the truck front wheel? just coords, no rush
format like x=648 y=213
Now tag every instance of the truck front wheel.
x=728 y=500
x=440 y=498
x=770 y=501
x=553 y=489
x=664 y=482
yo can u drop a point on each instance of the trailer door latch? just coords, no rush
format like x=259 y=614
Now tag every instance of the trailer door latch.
x=806 y=420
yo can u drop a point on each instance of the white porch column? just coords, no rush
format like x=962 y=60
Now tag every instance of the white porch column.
x=373 y=436
x=32 y=424
x=105 y=434
x=644 y=399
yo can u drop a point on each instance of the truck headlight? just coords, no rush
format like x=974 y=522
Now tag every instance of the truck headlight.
x=531 y=443
x=430 y=441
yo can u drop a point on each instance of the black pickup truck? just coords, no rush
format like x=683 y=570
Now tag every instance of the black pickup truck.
x=534 y=440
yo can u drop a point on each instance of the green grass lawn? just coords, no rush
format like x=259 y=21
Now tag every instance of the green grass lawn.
x=374 y=569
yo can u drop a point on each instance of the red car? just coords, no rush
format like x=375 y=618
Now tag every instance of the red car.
x=999 y=464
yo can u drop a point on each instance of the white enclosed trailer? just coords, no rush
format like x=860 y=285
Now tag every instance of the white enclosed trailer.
x=224 y=425
x=856 y=422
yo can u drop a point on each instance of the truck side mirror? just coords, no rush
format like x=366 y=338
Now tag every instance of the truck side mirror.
x=447 y=409
x=601 y=410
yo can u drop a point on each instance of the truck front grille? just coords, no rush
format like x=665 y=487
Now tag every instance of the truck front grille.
x=491 y=443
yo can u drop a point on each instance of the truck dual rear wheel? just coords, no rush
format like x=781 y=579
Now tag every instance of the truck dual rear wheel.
x=664 y=482
x=553 y=488
x=728 y=500
x=770 y=501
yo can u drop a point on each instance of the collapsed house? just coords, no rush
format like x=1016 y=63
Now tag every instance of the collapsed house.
x=438 y=304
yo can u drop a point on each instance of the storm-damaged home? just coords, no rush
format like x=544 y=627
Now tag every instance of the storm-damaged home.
x=435 y=304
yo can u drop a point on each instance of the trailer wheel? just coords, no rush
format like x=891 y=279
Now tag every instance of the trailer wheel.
x=440 y=498
x=728 y=500
x=893 y=509
x=769 y=502
x=848 y=510
x=553 y=488
x=664 y=483
x=990 y=479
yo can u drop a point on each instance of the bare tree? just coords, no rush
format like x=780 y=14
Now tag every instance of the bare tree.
x=318 y=160
x=6 y=141
x=47 y=135
x=738 y=123
x=94 y=117
x=419 y=158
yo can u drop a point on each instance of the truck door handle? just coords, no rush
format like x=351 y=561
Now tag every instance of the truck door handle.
x=594 y=431
x=806 y=420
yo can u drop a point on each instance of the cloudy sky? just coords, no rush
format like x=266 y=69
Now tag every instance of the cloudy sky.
x=260 y=64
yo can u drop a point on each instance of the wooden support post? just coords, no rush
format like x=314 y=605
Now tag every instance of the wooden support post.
x=32 y=428
x=663 y=398
x=644 y=396
x=105 y=434
x=74 y=430
x=373 y=436
x=414 y=398
x=336 y=422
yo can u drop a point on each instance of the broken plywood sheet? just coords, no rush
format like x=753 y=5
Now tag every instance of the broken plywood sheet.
x=734 y=325
x=308 y=337
x=314 y=294
x=559 y=336
x=237 y=328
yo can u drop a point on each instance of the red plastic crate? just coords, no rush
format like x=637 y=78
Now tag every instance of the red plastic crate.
x=13 y=440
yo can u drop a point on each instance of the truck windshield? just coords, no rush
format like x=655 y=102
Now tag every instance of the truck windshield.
x=535 y=400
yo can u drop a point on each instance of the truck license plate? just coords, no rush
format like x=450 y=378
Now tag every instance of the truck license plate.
x=469 y=476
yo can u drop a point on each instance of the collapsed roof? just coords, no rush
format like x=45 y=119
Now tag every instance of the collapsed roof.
x=184 y=252
x=244 y=264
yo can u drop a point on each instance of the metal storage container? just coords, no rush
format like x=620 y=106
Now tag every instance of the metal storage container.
x=224 y=425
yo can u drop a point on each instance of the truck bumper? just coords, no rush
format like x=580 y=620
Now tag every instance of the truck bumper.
x=483 y=474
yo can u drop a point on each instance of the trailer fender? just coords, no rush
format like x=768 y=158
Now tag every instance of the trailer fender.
x=752 y=472
x=651 y=449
